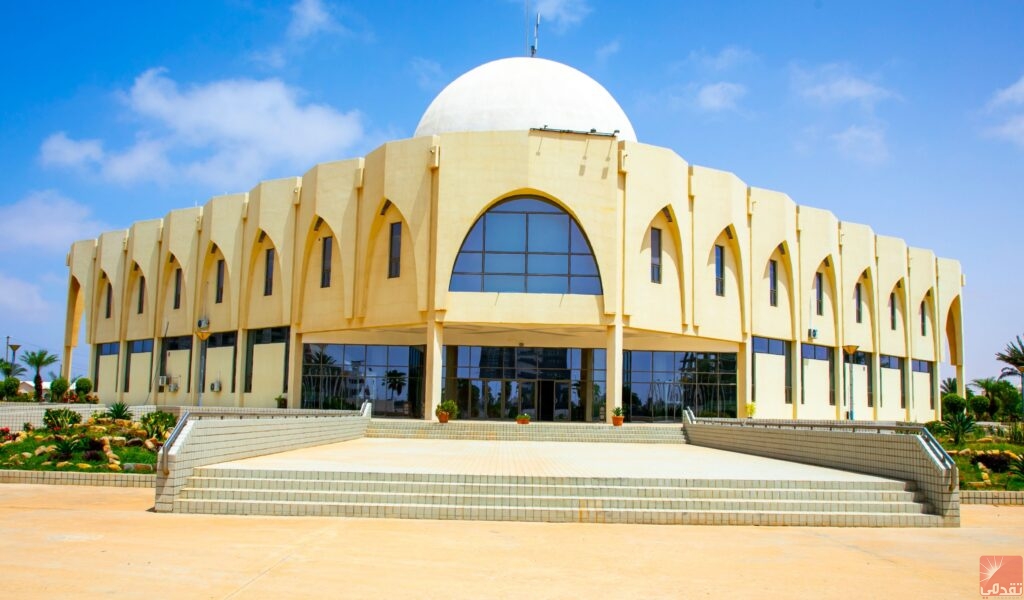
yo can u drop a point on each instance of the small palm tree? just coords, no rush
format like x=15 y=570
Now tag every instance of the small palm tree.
x=949 y=386
x=1013 y=356
x=9 y=369
x=957 y=425
x=395 y=382
x=37 y=360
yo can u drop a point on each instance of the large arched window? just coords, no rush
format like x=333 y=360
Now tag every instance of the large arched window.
x=526 y=245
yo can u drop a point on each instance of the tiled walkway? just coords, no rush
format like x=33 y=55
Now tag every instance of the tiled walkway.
x=556 y=459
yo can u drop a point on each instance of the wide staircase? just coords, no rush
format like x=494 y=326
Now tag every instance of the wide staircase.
x=229 y=489
x=534 y=432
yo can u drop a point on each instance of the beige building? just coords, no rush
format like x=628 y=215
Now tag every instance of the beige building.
x=520 y=253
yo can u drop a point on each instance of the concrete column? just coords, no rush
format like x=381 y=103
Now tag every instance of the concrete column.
x=65 y=367
x=744 y=378
x=613 y=360
x=586 y=390
x=433 y=375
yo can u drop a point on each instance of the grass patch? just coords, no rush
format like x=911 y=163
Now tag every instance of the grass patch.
x=40 y=450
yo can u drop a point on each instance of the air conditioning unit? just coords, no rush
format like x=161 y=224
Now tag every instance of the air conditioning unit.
x=173 y=387
x=203 y=323
x=215 y=386
x=162 y=380
x=812 y=333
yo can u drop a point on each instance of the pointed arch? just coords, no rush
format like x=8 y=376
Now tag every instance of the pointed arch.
x=954 y=332
x=526 y=244
x=776 y=318
x=653 y=297
x=726 y=279
x=265 y=291
x=320 y=275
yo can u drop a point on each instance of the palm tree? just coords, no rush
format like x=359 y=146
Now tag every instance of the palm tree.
x=1012 y=355
x=37 y=360
x=9 y=369
x=949 y=386
x=395 y=382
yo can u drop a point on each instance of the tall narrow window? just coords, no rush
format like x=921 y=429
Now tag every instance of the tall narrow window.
x=325 y=263
x=819 y=293
x=268 y=273
x=719 y=270
x=892 y=311
x=110 y=299
x=655 y=255
x=395 y=251
x=177 y=288
x=219 y=297
x=142 y=295
x=857 y=303
x=924 y=320
x=773 y=283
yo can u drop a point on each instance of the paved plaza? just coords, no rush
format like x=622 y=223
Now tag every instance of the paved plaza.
x=82 y=542
x=541 y=459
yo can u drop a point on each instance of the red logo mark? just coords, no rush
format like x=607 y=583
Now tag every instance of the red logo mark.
x=1001 y=575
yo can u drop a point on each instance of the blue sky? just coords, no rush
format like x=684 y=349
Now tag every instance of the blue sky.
x=906 y=116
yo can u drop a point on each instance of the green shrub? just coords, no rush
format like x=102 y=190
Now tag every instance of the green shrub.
x=66 y=446
x=1017 y=467
x=83 y=385
x=449 y=406
x=979 y=406
x=9 y=387
x=957 y=426
x=57 y=388
x=1016 y=434
x=951 y=404
x=119 y=410
x=934 y=427
x=60 y=418
x=156 y=423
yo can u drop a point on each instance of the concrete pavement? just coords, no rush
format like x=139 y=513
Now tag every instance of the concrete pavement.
x=65 y=541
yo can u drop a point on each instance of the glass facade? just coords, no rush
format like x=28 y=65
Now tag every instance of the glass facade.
x=549 y=384
x=343 y=376
x=657 y=386
x=526 y=245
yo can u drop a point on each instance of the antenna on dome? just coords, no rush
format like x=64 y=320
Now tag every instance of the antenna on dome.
x=536 y=36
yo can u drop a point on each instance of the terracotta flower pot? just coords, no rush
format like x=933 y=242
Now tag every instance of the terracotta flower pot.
x=442 y=417
x=522 y=421
x=617 y=420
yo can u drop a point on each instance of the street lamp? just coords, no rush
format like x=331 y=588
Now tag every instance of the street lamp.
x=14 y=352
x=851 y=349
x=203 y=333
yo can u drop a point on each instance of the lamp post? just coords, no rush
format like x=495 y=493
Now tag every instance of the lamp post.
x=851 y=349
x=203 y=333
x=14 y=352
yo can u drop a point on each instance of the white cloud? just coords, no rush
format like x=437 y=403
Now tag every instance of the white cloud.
x=228 y=133
x=727 y=58
x=60 y=150
x=1011 y=130
x=562 y=14
x=310 y=17
x=607 y=51
x=22 y=301
x=1011 y=95
x=720 y=96
x=862 y=144
x=429 y=75
x=46 y=221
x=833 y=84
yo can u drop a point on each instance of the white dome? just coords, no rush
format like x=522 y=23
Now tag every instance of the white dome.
x=524 y=93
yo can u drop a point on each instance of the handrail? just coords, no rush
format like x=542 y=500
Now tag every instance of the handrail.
x=931 y=445
x=165 y=450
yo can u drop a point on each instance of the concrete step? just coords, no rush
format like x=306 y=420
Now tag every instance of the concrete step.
x=539 y=432
x=584 y=513
x=230 y=490
x=543 y=501
x=198 y=483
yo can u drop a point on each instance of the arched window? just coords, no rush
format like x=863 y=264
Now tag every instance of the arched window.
x=526 y=245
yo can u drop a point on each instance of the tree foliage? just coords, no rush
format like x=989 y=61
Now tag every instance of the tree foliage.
x=37 y=359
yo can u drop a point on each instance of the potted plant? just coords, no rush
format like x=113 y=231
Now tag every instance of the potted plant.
x=523 y=419
x=282 y=402
x=447 y=410
x=617 y=416
x=751 y=409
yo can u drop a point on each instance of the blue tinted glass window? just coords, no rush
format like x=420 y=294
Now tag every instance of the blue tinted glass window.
x=526 y=245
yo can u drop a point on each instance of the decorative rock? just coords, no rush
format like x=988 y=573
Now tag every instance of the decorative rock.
x=143 y=468
x=149 y=445
x=114 y=467
x=984 y=475
x=26 y=455
x=123 y=423
x=118 y=441
x=84 y=466
x=46 y=464
x=976 y=484
x=97 y=429
x=104 y=421
x=41 y=450
x=63 y=464
x=138 y=433
x=1012 y=455
x=134 y=442
x=985 y=440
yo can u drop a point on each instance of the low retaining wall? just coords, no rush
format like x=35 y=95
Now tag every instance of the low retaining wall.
x=207 y=440
x=68 y=478
x=983 y=497
x=891 y=455
x=14 y=415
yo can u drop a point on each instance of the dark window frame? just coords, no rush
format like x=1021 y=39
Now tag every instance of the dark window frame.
x=268 y=272
x=395 y=250
x=142 y=295
x=110 y=301
x=219 y=293
x=327 y=246
x=177 y=288
x=719 y=270
x=924 y=319
x=773 y=282
x=892 y=311
x=857 y=300
x=655 y=255
x=819 y=293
